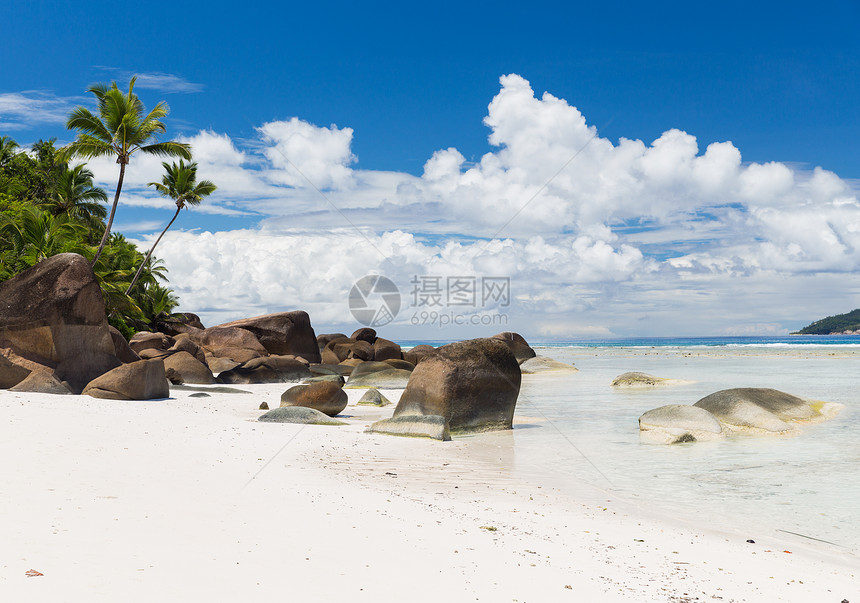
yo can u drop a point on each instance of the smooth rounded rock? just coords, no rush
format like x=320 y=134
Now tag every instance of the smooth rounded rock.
x=298 y=414
x=418 y=353
x=637 y=379
x=324 y=396
x=764 y=410
x=141 y=380
x=189 y=368
x=544 y=364
x=678 y=423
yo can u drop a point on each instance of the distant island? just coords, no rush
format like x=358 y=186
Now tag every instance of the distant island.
x=841 y=324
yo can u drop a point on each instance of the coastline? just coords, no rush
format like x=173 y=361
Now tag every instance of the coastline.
x=192 y=499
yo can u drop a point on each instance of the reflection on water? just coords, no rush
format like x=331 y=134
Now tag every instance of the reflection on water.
x=808 y=484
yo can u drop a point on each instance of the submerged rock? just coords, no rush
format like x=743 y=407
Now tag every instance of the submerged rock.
x=544 y=364
x=637 y=379
x=677 y=423
x=764 y=410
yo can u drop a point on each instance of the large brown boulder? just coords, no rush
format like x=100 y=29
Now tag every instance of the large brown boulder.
x=231 y=343
x=364 y=334
x=183 y=343
x=121 y=348
x=42 y=382
x=324 y=339
x=473 y=384
x=519 y=346
x=284 y=333
x=182 y=322
x=189 y=369
x=147 y=340
x=271 y=369
x=142 y=380
x=54 y=314
x=324 y=396
x=418 y=353
x=11 y=374
x=339 y=350
x=384 y=349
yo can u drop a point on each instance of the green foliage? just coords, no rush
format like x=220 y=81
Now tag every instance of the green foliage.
x=833 y=324
x=46 y=208
x=121 y=128
x=180 y=184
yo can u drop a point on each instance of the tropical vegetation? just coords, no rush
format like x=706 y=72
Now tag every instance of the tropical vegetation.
x=180 y=184
x=121 y=128
x=833 y=324
x=49 y=206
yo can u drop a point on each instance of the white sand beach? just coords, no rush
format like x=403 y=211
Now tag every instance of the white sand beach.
x=192 y=499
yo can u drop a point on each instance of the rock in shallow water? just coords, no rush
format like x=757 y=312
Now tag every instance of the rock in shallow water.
x=764 y=410
x=473 y=384
x=677 y=423
x=544 y=364
x=637 y=379
x=748 y=410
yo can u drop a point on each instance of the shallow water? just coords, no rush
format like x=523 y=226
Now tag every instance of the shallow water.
x=577 y=426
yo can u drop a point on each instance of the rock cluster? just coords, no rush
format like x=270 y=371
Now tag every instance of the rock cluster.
x=54 y=338
x=746 y=410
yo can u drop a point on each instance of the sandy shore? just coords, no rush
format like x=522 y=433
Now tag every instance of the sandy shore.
x=191 y=499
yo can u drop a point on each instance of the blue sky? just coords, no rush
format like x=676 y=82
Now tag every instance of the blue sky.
x=374 y=91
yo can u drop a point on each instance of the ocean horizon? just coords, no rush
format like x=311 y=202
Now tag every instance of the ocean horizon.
x=703 y=341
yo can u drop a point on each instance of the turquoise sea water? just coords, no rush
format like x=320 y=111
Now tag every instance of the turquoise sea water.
x=577 y=427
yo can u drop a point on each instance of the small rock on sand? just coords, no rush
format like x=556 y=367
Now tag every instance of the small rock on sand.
x=298 y=414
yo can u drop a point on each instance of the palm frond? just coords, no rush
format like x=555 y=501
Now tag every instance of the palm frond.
x=168 y=149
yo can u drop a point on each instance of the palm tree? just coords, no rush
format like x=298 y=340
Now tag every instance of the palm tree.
x=180 y=184
x=121 y=128
x=74 y=195
x=7 y=149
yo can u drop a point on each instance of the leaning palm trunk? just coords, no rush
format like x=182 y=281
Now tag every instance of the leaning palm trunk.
x=106 y=234
x=149 y=253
